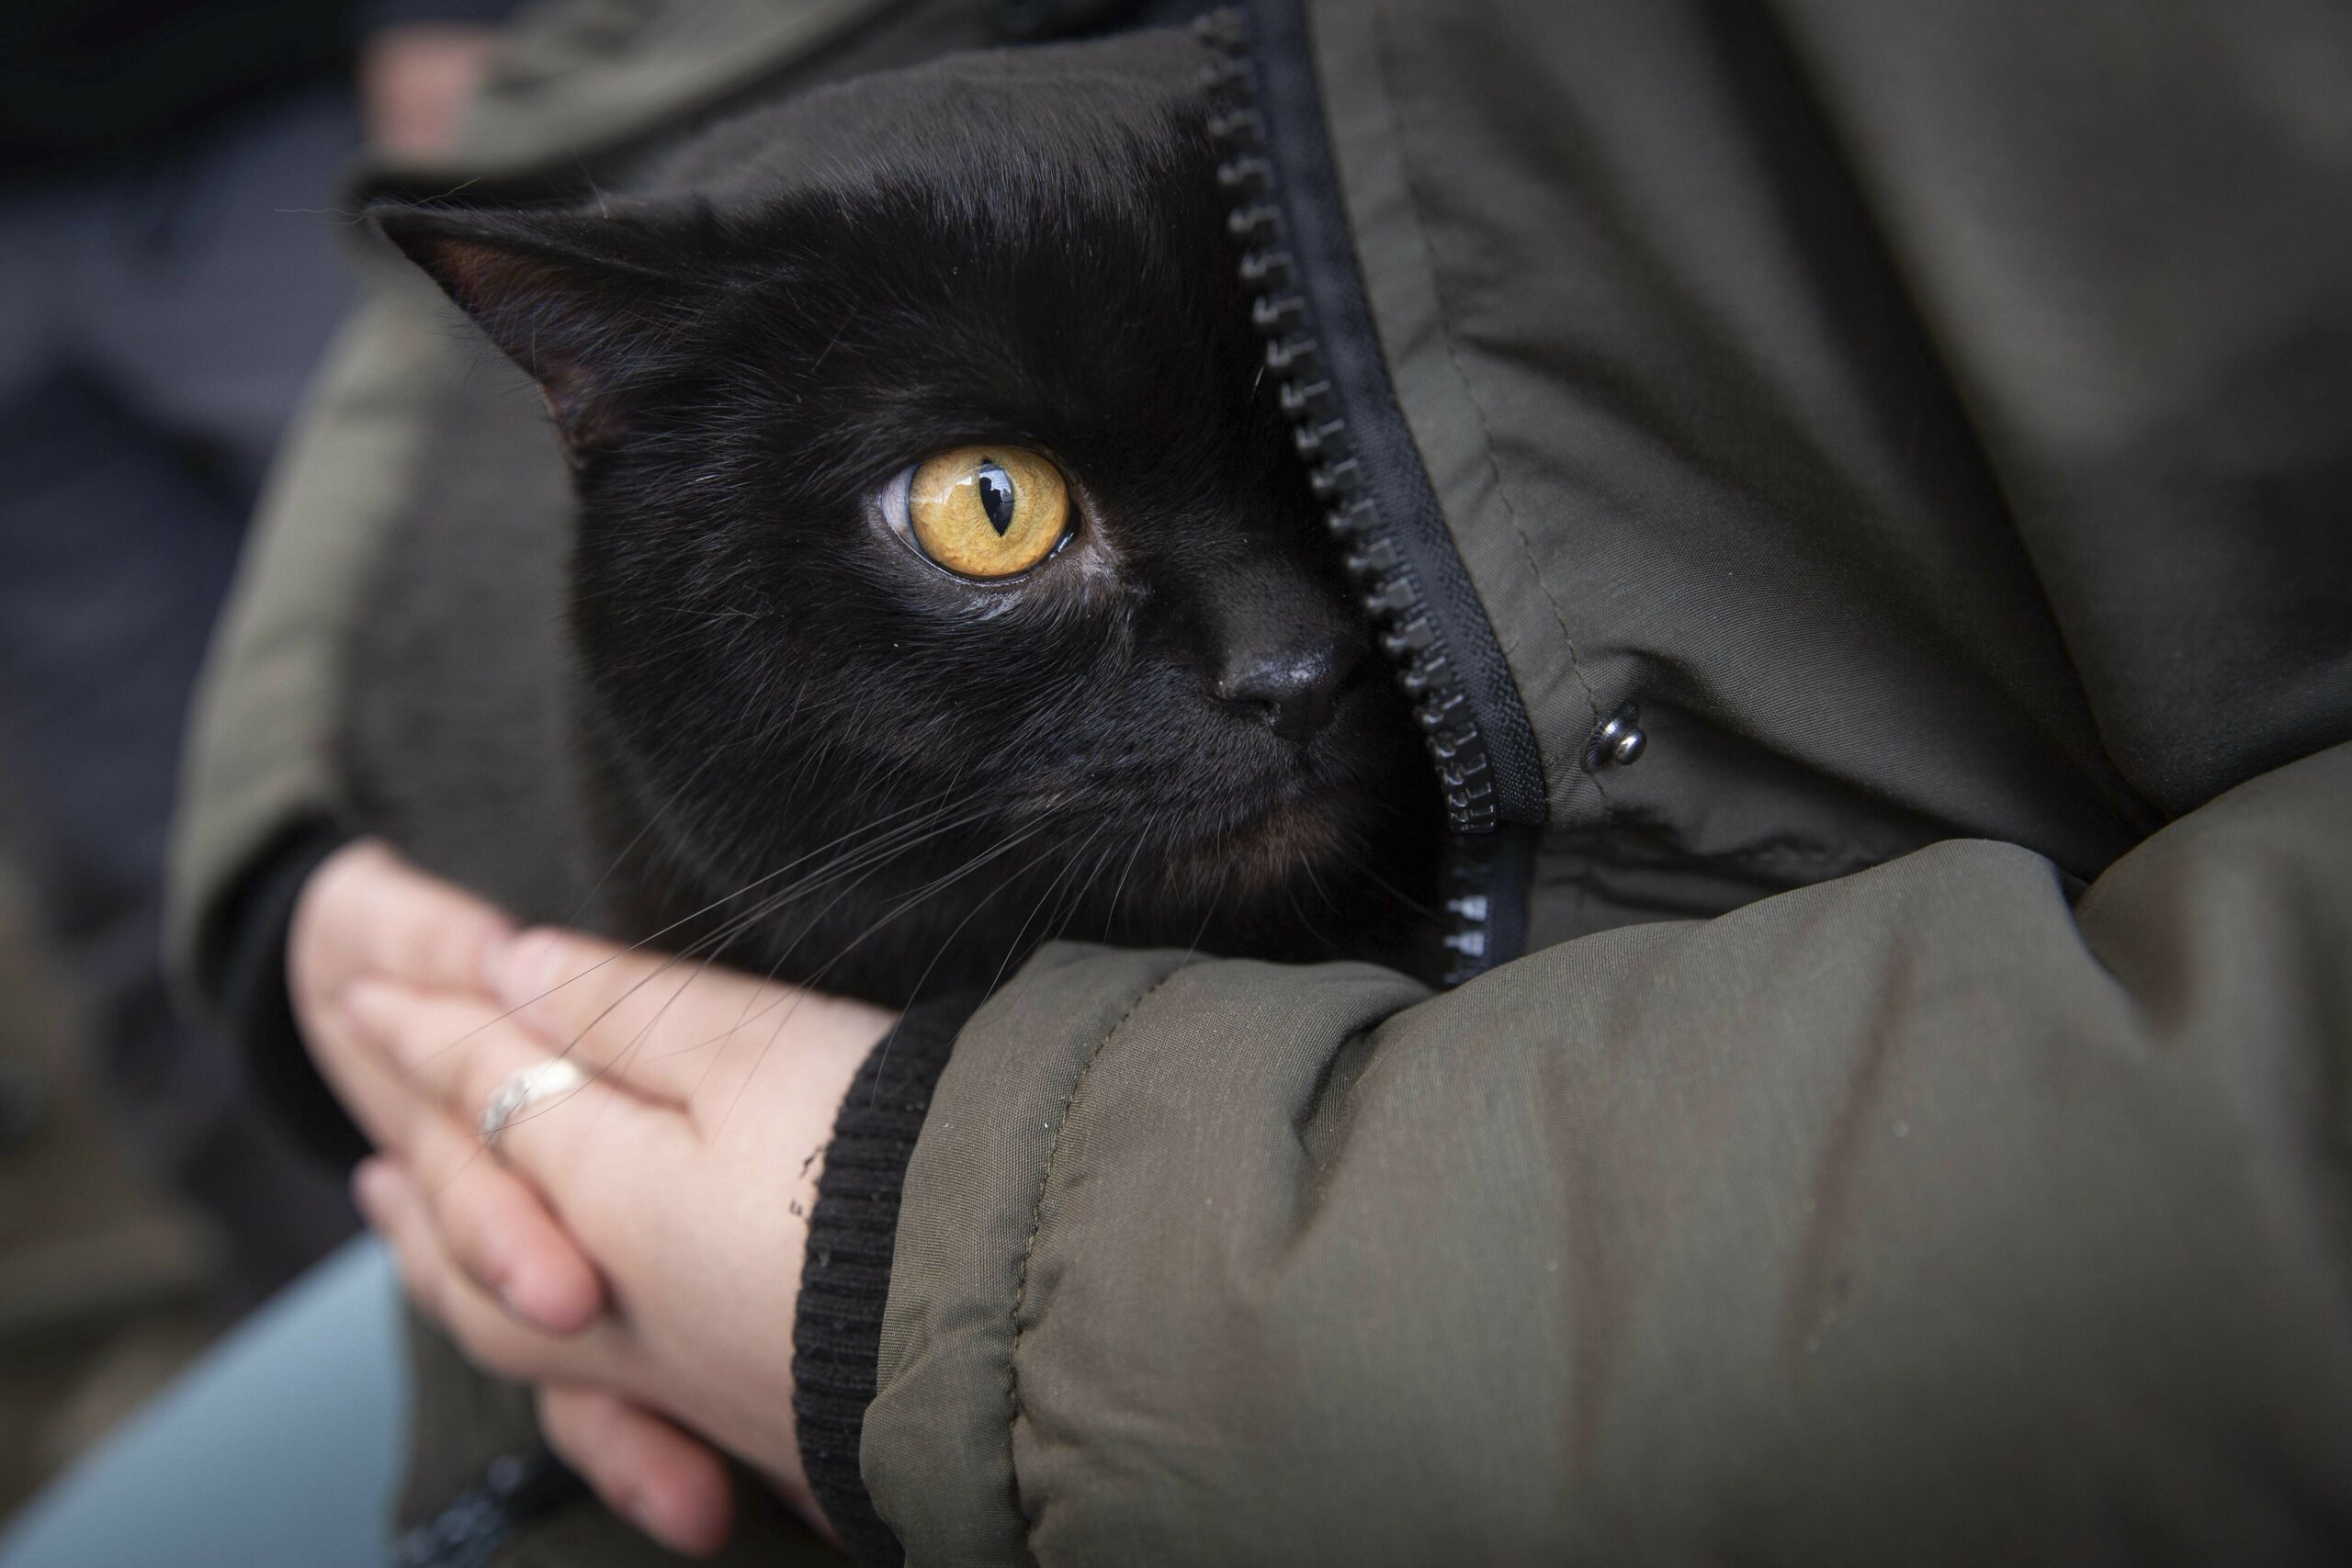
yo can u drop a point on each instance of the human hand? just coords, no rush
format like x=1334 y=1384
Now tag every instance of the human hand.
x=686 y=1166
x=415 y=81
x=367 y=915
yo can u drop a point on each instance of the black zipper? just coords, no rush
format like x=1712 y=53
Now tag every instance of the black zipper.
x=477 y=1524
x=1306 y=302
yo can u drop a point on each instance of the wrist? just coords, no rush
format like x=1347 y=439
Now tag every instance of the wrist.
x=838 y=1043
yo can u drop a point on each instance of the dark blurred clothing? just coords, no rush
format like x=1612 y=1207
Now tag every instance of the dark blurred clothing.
x=85 y=83
x=157 y=324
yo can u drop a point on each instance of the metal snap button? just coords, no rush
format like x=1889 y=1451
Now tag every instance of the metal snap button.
x=1619 y=741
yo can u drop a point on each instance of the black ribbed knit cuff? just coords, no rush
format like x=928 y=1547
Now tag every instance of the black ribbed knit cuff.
x=837 y=1338
x=256 y=1013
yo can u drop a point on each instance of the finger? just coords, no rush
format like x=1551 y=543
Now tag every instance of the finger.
x=662 y=1022
x=378 y=1097
x=601 y=1159
x=667 y=1026
x=494 y=1225
x=458 y=1047
x=458 y=1051
x=649 y=1470
x=489 y=1336
x=499 y=1232
x=401 y=924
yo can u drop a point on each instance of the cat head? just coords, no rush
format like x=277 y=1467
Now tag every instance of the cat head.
x=933 y=497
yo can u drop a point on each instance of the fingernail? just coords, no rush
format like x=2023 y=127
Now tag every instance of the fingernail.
x=650 y=1516
x=371 y=1187
x=510 y=1301
x=641 y=1514
x=494 y=954
x=369 y=1004
x=636 y=1505
x=526 y=967
x=523 y=1292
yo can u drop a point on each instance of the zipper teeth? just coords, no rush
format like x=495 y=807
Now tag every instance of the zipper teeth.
x=1387 y=591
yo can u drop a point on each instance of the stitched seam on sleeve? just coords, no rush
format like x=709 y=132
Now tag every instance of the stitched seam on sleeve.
x=1036 y=1223
x=1415 y=205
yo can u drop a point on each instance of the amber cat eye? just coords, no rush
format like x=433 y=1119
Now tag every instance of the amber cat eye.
x=988 y=512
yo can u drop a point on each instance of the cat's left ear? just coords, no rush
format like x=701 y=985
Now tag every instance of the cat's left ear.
x=589 y=305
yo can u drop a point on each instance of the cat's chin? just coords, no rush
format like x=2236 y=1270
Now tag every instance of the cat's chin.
x=1259 y=855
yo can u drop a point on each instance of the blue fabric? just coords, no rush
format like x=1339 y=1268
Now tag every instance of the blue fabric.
x=281 y=1449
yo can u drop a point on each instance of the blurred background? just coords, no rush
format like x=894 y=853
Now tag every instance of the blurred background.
x=171 y=269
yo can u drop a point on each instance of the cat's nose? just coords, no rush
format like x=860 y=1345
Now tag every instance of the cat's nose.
x=1293 y=689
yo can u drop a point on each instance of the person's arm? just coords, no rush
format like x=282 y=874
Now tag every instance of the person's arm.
x=1922 y=1215
x=685 y=1151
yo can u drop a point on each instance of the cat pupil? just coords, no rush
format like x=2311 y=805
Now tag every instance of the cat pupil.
x=996 y=496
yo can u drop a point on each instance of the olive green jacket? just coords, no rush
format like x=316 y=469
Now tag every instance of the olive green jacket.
x=1917 y=1128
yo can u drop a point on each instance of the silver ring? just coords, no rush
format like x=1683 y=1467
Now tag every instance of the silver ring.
x=550 y=1079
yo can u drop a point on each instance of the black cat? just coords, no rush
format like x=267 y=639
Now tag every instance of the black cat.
x=941 y=580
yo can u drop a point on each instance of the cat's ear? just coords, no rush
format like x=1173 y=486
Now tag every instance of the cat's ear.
x=584 y=303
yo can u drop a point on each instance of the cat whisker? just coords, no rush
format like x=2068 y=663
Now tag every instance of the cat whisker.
x=864 y=860
x=715 y=942
x=929 y=890
x=764 y=907
x=882 y=1053
x=1299 y=909
x=1111 y=917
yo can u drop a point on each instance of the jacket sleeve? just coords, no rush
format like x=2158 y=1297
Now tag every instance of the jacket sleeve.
x=1927 y=1214
x=260 y=803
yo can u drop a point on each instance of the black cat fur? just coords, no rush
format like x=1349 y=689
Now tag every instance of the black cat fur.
x=706 y=673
